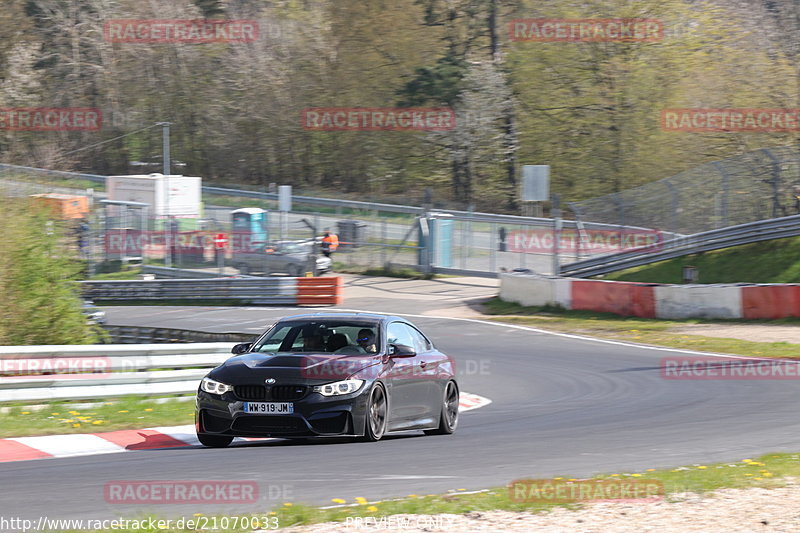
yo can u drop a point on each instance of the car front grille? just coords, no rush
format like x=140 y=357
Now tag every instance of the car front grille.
x=278 y=393
x=288 y=393
x=250 y=392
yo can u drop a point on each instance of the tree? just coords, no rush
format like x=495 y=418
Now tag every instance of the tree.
x=39 y=297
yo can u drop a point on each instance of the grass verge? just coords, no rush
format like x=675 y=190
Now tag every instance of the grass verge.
x=641 y=330
x=768 y=471
x=60 y=418
x=776 y=261
x=133 y=273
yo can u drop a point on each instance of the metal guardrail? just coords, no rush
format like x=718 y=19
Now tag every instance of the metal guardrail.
x=259 y=291
x=147 y=335
x=183 y=273
x=761 y=230
x=118 y=370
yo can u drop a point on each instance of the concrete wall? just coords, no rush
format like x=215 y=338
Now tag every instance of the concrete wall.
x=654 y=300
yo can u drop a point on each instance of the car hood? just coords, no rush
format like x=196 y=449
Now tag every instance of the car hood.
x=305 y=368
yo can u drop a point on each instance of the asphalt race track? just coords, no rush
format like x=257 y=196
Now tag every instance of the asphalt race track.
x=561 y=406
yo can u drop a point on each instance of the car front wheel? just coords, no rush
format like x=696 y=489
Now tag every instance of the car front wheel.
x=376 y=414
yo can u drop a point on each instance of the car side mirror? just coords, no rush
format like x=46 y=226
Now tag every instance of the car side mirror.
x=401 y=350
x=241 y=348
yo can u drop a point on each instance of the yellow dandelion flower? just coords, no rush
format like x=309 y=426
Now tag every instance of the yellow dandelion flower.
x=97 y=422
x=372 y=508
x=651 y=470
x=553 y=478
x=758 y=478
x=76 y=425
x=55 y=414
x=288 y=504
x=198 y=514
x=701 y=467
x=360 y=500
x=614 y=475
x=338 y=500
x=123 y=411
x=148 y=409
x=636 y=475
x=26 y=412
x=272 y=513
x=414 y=495
x=748 y=474
x=767 y=474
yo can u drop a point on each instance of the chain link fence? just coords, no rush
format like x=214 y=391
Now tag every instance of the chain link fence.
x=748 y=187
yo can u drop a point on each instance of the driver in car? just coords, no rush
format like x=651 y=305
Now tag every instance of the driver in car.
x=366 y=340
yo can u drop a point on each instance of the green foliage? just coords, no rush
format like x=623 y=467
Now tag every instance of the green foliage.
x=775 y=261
x=589 y=109
x=39 y=300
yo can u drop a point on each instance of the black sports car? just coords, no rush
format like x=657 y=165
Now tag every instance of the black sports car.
x=343 y=374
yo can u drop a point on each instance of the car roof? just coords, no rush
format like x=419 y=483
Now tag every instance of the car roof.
x=348 y=314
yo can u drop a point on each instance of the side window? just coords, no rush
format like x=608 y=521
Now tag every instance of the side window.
x=421 y=343
x=399 y=333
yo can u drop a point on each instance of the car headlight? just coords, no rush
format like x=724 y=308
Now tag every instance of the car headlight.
x=339 y=388
x=214 y=387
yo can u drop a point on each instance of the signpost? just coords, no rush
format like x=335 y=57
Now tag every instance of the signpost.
x=535 y=188
x=220 y=244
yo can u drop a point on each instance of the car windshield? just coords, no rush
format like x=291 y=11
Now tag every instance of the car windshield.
x=291 y=248
x=323 y=336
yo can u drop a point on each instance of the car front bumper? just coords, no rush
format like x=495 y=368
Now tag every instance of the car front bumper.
x=314 y=415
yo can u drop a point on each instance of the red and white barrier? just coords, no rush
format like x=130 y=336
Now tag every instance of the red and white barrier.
x=651 y=300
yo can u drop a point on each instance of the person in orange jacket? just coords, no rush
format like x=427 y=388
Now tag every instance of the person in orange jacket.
x=330 y=242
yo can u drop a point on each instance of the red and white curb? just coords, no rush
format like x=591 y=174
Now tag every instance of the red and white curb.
x=49 y=446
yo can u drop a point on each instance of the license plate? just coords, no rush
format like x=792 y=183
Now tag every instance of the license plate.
x=271 y=408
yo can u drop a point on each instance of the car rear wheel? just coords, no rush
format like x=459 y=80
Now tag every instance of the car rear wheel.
x=376 y=414
x=295 y=271
x=214 y=441
x=449 y=417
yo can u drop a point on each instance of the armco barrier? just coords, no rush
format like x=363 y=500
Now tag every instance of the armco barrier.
x=127 y=369
x=654 y=300
x=266 y=291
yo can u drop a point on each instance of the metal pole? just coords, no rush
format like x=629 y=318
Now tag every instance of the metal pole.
x=557 y=222
x=165 y=146
x=383 y=240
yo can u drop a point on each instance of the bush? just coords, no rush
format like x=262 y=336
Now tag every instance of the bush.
x=40 y=302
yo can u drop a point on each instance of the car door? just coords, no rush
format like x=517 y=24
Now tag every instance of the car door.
x=433 y=372
x=408 y=391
